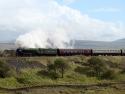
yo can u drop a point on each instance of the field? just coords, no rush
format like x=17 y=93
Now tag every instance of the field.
x=29 y=72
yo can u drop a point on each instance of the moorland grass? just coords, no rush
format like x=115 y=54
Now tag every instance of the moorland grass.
x=30 y=76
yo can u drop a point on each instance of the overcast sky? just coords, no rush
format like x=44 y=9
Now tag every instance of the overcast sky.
x=79 y=19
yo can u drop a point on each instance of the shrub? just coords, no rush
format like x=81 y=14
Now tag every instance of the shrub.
x=122 y=66
x=98 y=66
x=51 y=74
x=109 y=74
x=81 y=70
x=85 y=70
x=6 y=70
x=43 y=72
x=51 y=68
x=23 y=80
x=54 y=75
x=123 y=71
x=78 y=60
x=95 y=61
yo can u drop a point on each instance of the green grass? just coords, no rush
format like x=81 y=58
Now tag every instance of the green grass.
x=10 y=82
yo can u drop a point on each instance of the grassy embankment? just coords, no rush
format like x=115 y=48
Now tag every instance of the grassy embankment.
x=27 y=72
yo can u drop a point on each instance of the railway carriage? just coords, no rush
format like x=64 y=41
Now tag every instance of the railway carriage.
x=113 y=52
x=69 y=52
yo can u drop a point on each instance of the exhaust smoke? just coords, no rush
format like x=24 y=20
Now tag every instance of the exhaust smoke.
x=44 y=39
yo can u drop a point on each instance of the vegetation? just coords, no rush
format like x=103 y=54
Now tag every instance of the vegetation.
x=60 y=70
x=55 y=69
x=5 y=70
x=97 y=68
x=61 y=66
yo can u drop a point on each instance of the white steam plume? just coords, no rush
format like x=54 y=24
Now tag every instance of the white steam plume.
x=44 y=39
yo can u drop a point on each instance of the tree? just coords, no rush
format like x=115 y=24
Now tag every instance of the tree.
x=54 y=70
x=61 y=66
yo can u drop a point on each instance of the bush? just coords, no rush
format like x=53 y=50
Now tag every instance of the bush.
x=43 y=72
x=51 y=74
x=109 y=74
x=78 y=60
x=122 y=66
x=98 y=66
x=23 y=80
x=95 y=61
x=123 y=71
x=51 y=67
x=85 y=70
x=6 y=70
x=81 y=70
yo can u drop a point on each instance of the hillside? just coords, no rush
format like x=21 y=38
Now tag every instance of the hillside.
x=118 y=44
x=33 y=75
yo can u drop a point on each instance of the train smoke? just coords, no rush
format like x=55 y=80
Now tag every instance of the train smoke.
x=44 y=39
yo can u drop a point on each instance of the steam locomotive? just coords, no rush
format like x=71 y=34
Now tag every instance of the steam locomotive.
x=68 y=52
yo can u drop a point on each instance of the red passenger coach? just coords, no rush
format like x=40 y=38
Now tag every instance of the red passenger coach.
x=88 y=52
x=69 y=52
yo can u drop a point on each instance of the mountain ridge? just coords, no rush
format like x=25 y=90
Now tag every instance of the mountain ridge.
x=85 y=44
x=117 y=44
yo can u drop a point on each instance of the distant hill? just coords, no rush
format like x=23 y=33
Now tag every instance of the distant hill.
x=118 y=44
x=4 y=46
x=120 y=40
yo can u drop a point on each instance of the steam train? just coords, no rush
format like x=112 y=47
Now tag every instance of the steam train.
x=68 y=52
